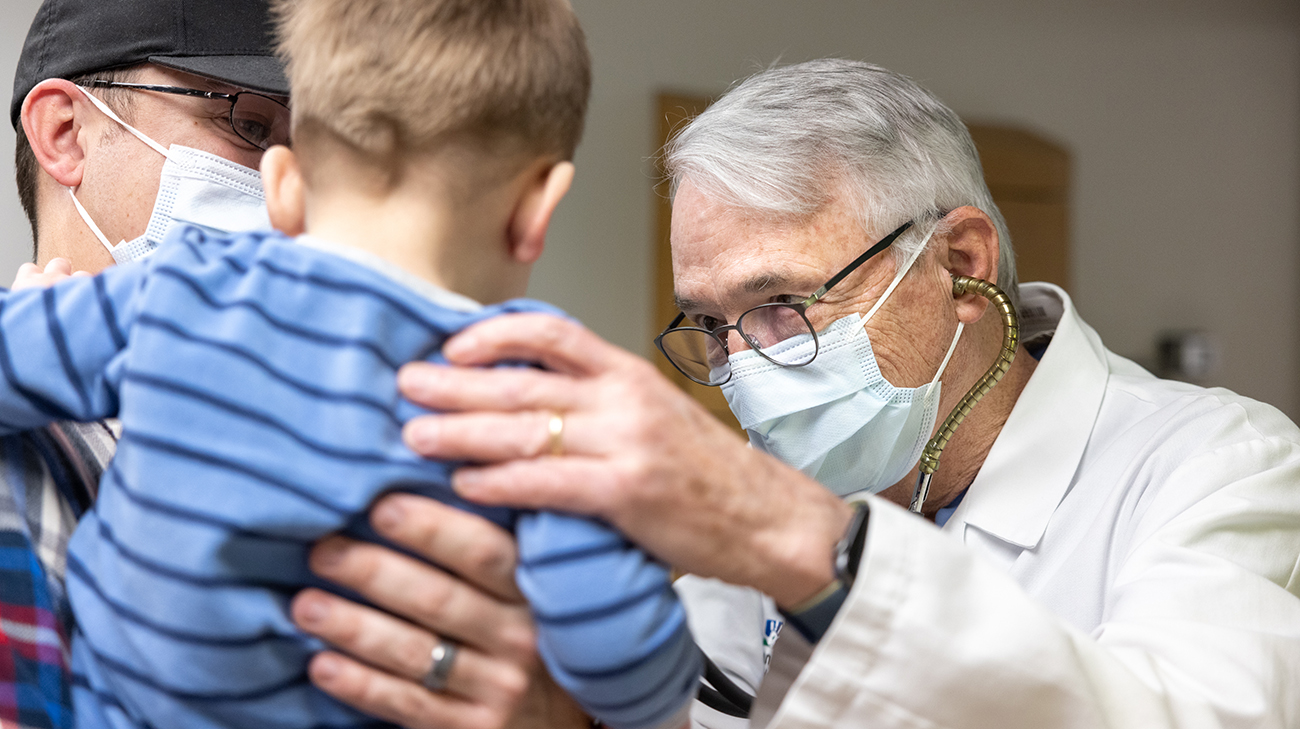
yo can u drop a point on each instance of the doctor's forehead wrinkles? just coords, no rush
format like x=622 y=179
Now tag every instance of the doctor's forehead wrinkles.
x=767 y=282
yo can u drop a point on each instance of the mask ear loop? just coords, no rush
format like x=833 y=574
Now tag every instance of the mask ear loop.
x=898 y=278
x=113 y=115
x=81 y=210
x=944 y=364
x=91 y=223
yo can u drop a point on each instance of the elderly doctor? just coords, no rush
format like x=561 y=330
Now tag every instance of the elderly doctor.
x=1100 y=548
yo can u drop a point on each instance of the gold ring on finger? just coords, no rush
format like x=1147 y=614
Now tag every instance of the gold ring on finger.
x=555 y=434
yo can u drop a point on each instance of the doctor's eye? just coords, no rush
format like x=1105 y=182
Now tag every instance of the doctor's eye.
x=707 y=323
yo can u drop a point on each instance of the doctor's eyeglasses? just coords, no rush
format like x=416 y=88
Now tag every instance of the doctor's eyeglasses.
x=258 y=119
x=701 y=354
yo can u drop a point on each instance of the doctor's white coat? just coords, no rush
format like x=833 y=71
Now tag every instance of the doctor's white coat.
x=1126 y=557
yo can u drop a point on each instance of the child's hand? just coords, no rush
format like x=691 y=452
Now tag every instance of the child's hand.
x=30 y=275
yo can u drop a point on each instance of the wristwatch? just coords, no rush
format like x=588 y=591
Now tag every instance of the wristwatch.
x=848 y=551
x=813 y=617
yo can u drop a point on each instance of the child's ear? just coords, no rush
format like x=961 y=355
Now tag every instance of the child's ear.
x=282 y=183
x=532 y=215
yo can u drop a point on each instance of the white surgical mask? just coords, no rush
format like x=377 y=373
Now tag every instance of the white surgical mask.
x=837 y=419
x=196 y=188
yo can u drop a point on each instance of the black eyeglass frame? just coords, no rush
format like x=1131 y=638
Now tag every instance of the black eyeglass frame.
x=799 y=307
x=200 y=93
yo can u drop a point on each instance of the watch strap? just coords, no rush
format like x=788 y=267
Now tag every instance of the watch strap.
x=813 y=617
x=848 y=552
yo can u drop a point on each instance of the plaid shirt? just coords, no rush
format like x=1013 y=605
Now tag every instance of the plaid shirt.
x=47 y=479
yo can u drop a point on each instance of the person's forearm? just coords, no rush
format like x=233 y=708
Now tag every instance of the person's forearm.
x=933 y=634
x=790 y=558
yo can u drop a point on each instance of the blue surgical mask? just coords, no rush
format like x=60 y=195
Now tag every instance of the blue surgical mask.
x=196 y=188
x=836 y=419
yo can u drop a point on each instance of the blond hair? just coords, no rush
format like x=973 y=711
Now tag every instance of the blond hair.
x=389 y=78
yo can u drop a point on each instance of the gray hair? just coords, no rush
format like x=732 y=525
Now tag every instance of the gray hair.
x=787 y=140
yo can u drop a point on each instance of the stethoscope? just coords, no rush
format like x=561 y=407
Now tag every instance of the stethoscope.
x=720 y=693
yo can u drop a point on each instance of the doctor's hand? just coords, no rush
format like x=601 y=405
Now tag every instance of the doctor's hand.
x=628 y=447
x=381 y=657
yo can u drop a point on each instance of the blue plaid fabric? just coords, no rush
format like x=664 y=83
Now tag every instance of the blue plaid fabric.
x=47 y=478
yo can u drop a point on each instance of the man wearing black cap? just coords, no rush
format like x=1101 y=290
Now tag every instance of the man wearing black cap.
x=133 y=117
x=65 y=143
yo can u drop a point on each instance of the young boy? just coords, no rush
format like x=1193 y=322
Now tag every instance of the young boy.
x=254 y=376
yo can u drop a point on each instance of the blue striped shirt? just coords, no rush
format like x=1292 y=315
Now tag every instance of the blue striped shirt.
x=255 y=382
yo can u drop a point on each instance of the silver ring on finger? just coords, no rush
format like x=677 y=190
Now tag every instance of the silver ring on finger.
x=442 y=659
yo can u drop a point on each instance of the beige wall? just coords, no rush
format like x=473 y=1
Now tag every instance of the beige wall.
x=15 y=236
x=1183 y=115
x=1184 y=118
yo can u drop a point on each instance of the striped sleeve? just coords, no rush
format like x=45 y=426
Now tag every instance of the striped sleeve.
x=57 y=348
x=610 y=627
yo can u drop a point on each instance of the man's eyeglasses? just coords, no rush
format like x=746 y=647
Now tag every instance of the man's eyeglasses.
x=256 y=118
x=701 y=354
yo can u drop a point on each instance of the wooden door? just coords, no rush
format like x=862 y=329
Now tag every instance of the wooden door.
x=1028 y=175
x=674 y=110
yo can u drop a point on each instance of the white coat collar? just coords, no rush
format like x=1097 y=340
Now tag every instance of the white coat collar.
x=1032 y=462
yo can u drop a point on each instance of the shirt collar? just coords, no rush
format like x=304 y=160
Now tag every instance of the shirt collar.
x=1032 y=463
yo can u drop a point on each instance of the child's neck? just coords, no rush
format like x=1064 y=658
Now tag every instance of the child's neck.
x=464 y=252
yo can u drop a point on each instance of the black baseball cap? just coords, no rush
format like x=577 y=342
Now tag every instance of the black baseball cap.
x=227 y=40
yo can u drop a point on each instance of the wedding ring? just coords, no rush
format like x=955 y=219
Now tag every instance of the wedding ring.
x=442 y=659
x=555 y=433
